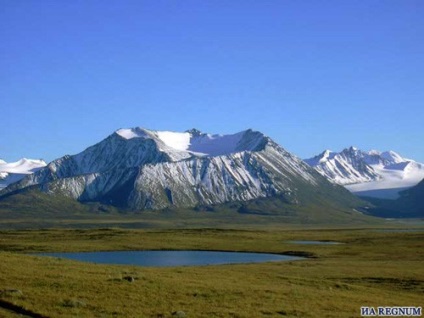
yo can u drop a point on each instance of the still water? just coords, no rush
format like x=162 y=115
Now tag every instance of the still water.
x=171 y=258
x=399 y=230
x=315 y=242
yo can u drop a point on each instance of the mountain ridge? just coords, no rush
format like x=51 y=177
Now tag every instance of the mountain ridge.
x=144 y=169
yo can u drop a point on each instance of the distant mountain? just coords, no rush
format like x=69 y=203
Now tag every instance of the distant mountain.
x=410 y=204
x=15 y=171
x=369 y=173
x=412 y=200
x=144 y=169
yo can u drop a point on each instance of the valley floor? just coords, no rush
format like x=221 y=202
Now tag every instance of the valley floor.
x=373 y=267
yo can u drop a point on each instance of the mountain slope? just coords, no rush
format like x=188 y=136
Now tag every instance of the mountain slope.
x=410 y=204
x=372 y=173
x=144 y=169
x=412 y=200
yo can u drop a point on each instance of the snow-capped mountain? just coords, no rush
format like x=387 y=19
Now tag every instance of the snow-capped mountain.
x=145 y=169
x=15 y=171
x=369 y=173
x=347 y=167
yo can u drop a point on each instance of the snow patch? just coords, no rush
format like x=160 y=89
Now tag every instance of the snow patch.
x=132 y=133
x=216 y=145
x=176 y=140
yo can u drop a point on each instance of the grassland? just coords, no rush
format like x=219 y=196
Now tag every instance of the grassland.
x=372 y=268
x=35 y=209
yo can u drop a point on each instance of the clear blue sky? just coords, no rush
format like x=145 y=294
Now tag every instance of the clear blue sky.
x=312 y=75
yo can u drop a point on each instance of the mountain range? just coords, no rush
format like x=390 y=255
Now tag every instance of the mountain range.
x=141 y=169
x=369 y=173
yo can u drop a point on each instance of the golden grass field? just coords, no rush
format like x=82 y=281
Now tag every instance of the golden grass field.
x=373 y=268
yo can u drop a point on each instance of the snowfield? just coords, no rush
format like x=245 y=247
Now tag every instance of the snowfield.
x=194 y=141
x=394 y=178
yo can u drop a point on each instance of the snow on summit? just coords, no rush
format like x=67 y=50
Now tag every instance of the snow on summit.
x=216 y=145
x=132 y=133
x=198 y=143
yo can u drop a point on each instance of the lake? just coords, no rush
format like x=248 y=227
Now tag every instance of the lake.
x=315 y=242
x=399 y=230
x=171 y=258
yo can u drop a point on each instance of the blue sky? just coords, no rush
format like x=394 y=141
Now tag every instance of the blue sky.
x=312 y=75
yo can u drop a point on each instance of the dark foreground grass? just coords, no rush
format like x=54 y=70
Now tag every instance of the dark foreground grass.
x=372 y=268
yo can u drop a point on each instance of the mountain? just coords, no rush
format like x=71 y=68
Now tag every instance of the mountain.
x=369 y=173
x=412 y=200
x=410 y=204
x=144 y=169
x=14 y=171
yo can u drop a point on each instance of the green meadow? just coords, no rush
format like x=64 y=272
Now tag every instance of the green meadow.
x=372 y=268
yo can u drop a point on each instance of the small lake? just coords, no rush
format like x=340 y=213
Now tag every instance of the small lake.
x=399 y=230
x=171 y=258
x=315 y=242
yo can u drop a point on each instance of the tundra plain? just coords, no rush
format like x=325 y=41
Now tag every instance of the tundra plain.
x=374 y=267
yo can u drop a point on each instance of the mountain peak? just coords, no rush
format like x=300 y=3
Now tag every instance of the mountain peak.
x=392 y=157
x=194 y=132
x=327 y=154
x=321 y=158
x=130 y=133
x=352 y=149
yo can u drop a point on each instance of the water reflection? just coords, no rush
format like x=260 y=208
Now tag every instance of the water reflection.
x=171 y=258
